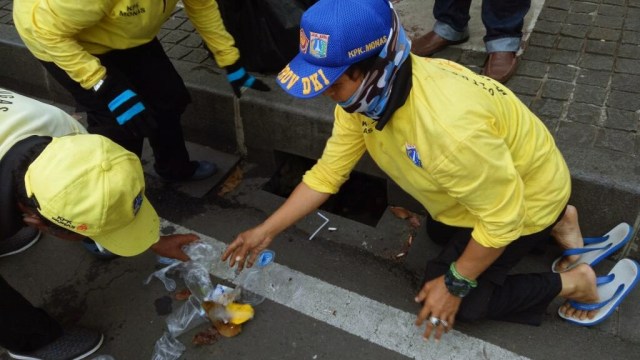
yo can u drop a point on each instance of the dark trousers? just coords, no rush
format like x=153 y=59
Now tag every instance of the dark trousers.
x=152 y=76
x=501 y=18
x=521 y=298
x=24 y=327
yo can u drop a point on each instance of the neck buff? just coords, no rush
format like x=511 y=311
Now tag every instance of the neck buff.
x=373 y=94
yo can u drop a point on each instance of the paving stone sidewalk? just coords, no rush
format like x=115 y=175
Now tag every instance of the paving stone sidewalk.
x=580 y=69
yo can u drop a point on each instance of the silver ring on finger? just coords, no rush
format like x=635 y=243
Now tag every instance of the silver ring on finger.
x=444 y=324
x=435 y=321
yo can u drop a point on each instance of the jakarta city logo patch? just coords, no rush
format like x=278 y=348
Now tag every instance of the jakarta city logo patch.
x=318 y=45
x=412 y=153
x=137 y=203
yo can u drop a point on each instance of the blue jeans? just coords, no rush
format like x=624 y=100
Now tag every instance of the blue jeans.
x=502 y=19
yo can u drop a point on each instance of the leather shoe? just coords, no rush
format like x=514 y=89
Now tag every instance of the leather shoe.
x=431 y=43
x=501 y=65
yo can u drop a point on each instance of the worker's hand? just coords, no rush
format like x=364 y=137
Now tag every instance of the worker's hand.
x=439 y=308
x=125 y=104
x=241 y=80
x=171 y=245
x=246 y=248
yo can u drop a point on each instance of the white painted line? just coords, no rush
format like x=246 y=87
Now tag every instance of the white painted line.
x=326 y=220
x=373 y=321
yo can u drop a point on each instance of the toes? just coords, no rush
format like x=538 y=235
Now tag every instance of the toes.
x=562 y=265
x=565 y=309
x=579 y=314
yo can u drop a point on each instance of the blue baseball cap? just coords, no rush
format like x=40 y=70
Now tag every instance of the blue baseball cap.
x=333 y=35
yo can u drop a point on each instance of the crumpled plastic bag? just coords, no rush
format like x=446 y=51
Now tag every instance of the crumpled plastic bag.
x=167 y=348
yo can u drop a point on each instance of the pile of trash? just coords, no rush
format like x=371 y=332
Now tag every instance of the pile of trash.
x=223 y=307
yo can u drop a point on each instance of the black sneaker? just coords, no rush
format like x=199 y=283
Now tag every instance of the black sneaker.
x=19 y=242
x=75 y=343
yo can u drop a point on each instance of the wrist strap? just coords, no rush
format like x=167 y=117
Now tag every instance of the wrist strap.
x=236 y=75
x=457 y=275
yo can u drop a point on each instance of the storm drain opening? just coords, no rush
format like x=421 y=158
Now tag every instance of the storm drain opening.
x=362 y=198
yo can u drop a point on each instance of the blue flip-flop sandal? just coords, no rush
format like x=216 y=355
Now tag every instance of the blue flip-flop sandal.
x=597 y=249
x=613 y=288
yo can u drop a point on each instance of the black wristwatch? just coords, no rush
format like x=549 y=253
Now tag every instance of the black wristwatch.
x=457 y=284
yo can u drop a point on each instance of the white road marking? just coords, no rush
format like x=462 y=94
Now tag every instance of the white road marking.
x=368 y=319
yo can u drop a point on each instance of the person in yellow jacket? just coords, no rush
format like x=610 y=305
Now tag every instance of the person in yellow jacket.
x=107 y=55
x=60 y=180
x=485 y=168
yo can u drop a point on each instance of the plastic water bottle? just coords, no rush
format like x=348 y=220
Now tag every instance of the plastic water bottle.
x=198 y=282
x=254 y=279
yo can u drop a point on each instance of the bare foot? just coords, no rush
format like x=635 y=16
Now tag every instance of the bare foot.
x=567 y=234
x=579 y=284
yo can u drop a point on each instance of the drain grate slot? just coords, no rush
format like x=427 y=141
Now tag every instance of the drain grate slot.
x=363 y=198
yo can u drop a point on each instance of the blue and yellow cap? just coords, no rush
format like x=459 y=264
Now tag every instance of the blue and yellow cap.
x=335 y=34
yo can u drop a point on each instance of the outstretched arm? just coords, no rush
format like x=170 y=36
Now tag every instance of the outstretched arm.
x=248 y=244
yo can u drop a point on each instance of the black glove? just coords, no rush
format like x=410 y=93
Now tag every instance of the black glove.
x=240 y=79
x=125 y=105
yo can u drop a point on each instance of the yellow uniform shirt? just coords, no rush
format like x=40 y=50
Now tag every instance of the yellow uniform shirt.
x=465 y=147
x=21 y=117
x=70 y=32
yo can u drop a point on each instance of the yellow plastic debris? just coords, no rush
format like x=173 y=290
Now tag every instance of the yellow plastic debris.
x=240 y=313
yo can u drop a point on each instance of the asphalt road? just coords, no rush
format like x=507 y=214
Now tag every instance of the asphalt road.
x=341 y=295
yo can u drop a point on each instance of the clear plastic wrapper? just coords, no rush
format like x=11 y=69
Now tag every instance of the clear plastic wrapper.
x=186 y=317
x=200 y=254
x=161 y=274
x=167 y=348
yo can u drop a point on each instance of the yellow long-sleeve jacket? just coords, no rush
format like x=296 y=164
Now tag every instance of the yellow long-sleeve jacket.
x=70 y=32
x=462 y=145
